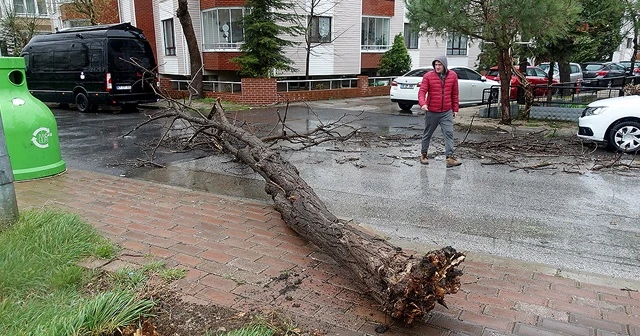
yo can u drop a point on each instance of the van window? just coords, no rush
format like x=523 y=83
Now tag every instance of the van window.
x=42 y=60
x=125 y=53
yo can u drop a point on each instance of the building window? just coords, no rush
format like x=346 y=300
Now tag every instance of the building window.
x=629 y=43
x=375 y=33
x=29 y=7
x=410 y=37
x=222 y=28
x=320 y=29
x=456 y=44
x=169 y=37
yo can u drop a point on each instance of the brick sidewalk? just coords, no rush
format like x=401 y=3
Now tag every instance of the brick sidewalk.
x=239 y=253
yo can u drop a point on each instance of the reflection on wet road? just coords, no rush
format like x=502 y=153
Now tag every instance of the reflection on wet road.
x=574 y=222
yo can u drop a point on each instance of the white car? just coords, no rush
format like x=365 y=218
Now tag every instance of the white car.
x=615 y=121
x=472 y=85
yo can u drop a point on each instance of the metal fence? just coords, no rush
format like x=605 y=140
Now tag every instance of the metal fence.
x=563 y=101
x=316 y=84
x=210 y=86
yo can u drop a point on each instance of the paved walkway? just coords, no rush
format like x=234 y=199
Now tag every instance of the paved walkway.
x=239 y=253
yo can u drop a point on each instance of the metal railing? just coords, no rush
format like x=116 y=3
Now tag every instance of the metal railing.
x=211 y=86
x=381 y=81
x=285 y=85
x=316 y=84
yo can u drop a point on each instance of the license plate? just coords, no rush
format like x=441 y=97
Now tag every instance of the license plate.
x=407 y=86
x=123 y=87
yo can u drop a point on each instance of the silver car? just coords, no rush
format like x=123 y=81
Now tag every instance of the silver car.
x=575 y=71
x=474 y=88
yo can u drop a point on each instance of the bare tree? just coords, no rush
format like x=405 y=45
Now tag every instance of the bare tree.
x=97 y=11
x=17 y=30
x=316 y=19
x=195 y=59
x=86 y=7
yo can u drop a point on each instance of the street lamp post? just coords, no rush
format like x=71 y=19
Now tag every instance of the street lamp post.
x=8 y=202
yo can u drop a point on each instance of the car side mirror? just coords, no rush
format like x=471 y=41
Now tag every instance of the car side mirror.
x=483 y=78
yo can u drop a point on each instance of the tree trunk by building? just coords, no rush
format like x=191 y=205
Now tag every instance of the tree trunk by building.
x=195 y=59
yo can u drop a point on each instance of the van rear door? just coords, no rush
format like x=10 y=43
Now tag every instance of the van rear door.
x=127 y=61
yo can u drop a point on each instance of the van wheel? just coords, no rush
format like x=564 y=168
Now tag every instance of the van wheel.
x=82 y=103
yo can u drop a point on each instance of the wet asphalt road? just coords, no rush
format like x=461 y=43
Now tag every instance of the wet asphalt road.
x=586 y=223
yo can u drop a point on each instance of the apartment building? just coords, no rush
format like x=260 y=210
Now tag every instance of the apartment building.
x=349 y=36
x=625 y=49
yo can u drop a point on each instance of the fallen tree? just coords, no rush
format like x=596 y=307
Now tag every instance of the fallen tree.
x=405 y=286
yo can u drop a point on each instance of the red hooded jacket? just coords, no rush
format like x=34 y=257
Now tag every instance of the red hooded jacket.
x=439 y=95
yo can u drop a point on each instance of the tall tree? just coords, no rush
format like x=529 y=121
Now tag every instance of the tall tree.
x=395 y=61
x=603 y=25
x=594 y=37
x=195 y=59
x=500 y=22
x=262 y=50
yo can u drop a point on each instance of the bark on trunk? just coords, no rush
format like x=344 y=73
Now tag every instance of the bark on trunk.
x=406 y=287
x=504 y=70
x=195 y=59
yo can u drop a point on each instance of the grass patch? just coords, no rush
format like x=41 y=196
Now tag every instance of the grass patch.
x=252 y=330
x=227 y=105
x=266 y=325
x=40 y=281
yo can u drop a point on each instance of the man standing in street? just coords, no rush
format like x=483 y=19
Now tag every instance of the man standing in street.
x=439 y=98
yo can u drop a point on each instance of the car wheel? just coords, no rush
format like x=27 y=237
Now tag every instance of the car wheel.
x=405 y=106
x=82 y=103
x=625 y=137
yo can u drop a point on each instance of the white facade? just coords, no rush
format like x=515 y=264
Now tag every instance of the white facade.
x=625 y=50
x=342 y=56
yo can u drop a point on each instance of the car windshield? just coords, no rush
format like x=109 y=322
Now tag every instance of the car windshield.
x=544 y=66
x=417 y=72
x=493 y=72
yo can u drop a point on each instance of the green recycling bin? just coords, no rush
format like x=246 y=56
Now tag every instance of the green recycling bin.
x=29 y=126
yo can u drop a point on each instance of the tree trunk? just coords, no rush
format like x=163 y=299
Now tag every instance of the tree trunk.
x=195 y=59
x=504 y=70
x=405 y=286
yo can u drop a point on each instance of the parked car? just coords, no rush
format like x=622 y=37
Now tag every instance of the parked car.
x=636 y=67
x=627 y=65
x=575 y=71
x=472 y=85
x=92 y=66
x=614 y=121
x=603 y=74
x=535 y=75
